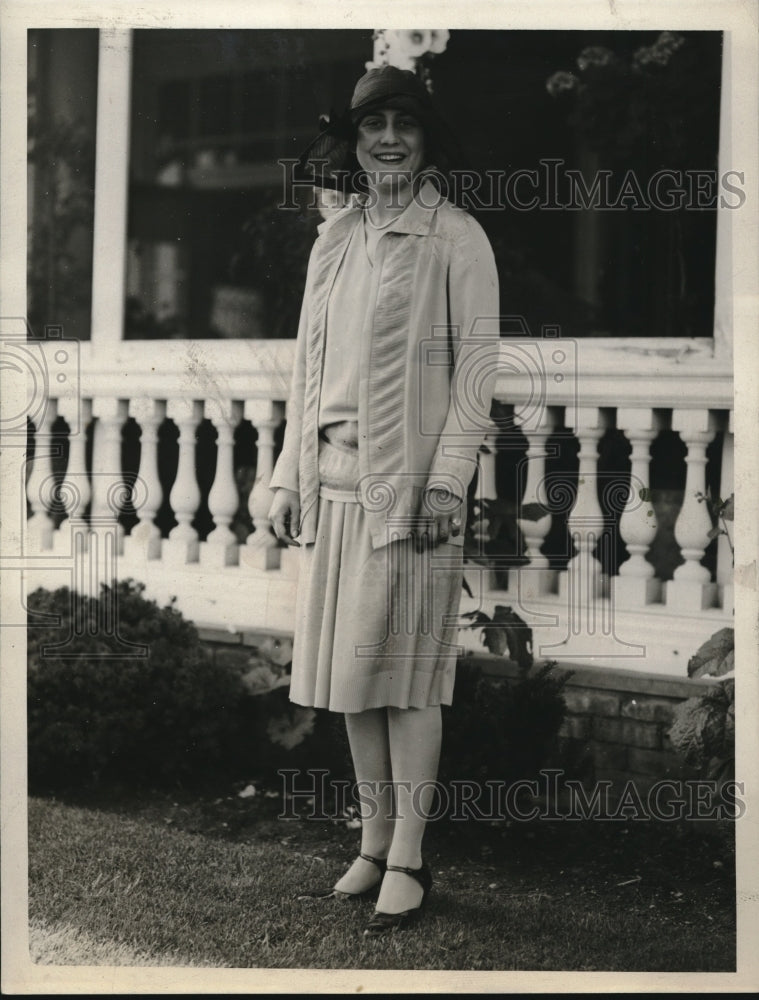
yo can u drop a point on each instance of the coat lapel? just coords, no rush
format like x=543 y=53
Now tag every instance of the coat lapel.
x=332 y=244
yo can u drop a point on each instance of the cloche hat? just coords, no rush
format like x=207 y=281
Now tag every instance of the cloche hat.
x=330 y=160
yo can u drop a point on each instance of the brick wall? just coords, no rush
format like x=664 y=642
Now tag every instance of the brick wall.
x=617 y=720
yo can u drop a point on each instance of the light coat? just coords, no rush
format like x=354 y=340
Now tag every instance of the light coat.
x=428 y=362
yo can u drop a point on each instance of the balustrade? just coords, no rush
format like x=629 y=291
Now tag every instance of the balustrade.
x=255 y=576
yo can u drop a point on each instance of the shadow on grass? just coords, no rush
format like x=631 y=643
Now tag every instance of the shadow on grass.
x=212 y=879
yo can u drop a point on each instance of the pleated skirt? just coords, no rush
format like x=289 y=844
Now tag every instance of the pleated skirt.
x=374 y=627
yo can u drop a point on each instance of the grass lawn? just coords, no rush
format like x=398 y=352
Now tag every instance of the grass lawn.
x=209 y=881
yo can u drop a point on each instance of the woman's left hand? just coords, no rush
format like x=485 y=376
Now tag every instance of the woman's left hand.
x=439 y=527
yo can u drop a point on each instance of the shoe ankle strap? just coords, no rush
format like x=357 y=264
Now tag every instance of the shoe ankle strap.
x=414 y=872
x=380 y=863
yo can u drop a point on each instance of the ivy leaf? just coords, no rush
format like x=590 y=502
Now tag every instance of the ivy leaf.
x=728 y=508
x=704 y=726
x=512 y=633
x=715 y=657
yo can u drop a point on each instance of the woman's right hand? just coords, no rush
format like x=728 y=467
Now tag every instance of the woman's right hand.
x=284 y=515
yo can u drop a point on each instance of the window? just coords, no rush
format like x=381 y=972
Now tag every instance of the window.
x=209 y=254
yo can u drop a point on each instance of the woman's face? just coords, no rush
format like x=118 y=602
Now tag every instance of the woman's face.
x=390 y=146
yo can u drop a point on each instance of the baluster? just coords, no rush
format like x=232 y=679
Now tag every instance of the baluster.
x=75 y=491
x=261 y=548
x=725 y=567
x=691 y=589
x=105 y=535
x=536 y=577
x=583 y=581
x=182 y=545
x=106 y=457
x=486 y=491
x=221 y=548
x=41 y=485
x=636 y=584
x=144 y=542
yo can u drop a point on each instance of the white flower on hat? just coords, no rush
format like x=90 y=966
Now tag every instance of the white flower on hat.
x=403 y=49
x=439 y=40
x=413 y=43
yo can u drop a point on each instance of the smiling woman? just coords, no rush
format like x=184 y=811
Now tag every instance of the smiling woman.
x=379 y=450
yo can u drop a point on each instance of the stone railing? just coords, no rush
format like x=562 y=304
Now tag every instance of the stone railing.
x=101 y=507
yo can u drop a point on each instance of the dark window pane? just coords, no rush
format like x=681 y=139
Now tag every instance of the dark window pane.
x=215 y=106
x=260 y=94
x=174 y=109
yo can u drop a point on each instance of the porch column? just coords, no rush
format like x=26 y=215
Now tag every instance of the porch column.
x=723 y=278
x=111 y=188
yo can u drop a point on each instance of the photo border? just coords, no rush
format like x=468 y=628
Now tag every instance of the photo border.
x=738 y=18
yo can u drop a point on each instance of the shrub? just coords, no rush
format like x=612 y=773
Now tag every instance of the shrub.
x=173 y=715
x=95 y=712
x=502 y=730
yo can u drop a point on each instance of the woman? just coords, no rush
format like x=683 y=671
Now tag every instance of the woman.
x=395 y=361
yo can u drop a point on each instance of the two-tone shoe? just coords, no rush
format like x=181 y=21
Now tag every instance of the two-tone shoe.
x=381 y=923
x=332 y=893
